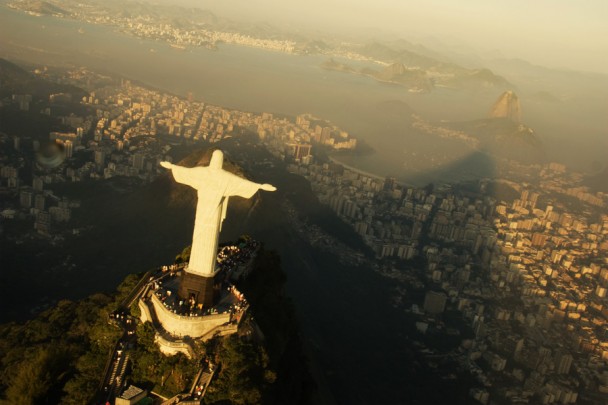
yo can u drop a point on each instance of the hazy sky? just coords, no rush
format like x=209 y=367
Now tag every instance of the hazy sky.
x=555 y=33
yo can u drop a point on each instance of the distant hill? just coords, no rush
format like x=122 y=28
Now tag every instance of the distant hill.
x=332 y=64
x=419 y=79
x=414 y=78
x=476 y=79
x=507 y=106
x=312 y=47
x=383 y=52
x=15 y=80
x=418 y=72
x=452 y=75
x=170 y=13
x=42 y=7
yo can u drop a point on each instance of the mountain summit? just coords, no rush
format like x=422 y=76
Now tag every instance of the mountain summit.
x=507 y=106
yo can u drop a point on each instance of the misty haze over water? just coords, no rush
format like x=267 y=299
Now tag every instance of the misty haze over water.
x=568 y=119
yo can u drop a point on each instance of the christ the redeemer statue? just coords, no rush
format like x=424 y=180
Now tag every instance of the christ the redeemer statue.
x=214 y=186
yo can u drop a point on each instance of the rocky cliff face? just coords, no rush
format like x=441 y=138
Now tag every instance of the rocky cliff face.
x=507 y=106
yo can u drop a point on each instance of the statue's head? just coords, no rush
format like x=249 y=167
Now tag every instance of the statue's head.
x=217 y=159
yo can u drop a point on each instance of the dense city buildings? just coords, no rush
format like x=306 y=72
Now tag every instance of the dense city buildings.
x=152 y=27
x=531 y=271
x=130 y=130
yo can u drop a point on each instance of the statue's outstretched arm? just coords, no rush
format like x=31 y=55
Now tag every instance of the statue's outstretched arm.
x=268 y=187
x=242 y=187
x=192 y=177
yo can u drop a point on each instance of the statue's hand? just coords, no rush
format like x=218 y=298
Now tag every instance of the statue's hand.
x=268 y=187
x=166 y=165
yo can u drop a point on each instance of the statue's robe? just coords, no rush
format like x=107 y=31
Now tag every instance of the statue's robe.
x=214 y=186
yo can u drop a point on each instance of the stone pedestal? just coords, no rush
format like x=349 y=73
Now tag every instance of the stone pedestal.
x=204 y=289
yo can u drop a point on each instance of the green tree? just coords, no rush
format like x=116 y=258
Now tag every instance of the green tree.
x=241 y=376
x=89 y=367
x=36 y=375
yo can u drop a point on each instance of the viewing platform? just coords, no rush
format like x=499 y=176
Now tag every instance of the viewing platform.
x=179 y=320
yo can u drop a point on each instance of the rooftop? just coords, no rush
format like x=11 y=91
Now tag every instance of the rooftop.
x=131 y=392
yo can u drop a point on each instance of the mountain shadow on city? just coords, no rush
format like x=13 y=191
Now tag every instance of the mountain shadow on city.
x=598 y=181
x=474 y=166
x=504 y=138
